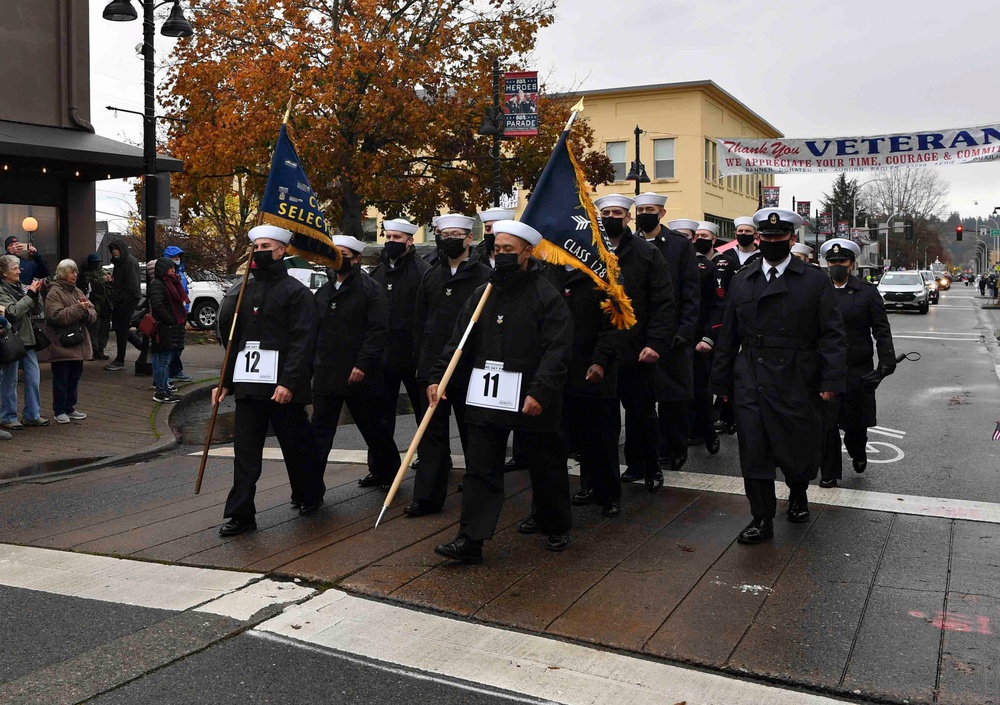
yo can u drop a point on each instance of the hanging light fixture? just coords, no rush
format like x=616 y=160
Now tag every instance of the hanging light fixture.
x=176 y=24
x=120 y=11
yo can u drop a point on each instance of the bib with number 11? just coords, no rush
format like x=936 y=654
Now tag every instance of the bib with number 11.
x=256 y=365
x=493 y=388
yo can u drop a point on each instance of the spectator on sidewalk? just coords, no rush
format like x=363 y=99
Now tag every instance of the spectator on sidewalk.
x=67 y=312
x=20 y=304
x=176 y=254
x=32 y=265
x=4 y=326
x=125 y=295
x=166 y=299
x=98 y=290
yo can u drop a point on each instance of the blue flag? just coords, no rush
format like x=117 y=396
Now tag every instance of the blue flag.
x=561 y=210
x=289 y=202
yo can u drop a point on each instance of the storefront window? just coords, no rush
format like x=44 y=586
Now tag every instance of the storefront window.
x=45 y=238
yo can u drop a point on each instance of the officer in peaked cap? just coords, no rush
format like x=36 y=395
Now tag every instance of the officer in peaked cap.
x=518 y=351
x=488 y=217
x=782 y=352
x=674 y=378
x=269 y=371
x=864 y=318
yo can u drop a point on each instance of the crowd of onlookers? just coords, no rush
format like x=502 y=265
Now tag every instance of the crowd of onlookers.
x=65 y=317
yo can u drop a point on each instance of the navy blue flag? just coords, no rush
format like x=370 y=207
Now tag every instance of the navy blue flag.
x=289 y=202
x=561 y=210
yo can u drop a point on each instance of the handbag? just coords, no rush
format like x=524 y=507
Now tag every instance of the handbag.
x=148 y=326
x=11 y=348
x=71 y=336
x=41 y=340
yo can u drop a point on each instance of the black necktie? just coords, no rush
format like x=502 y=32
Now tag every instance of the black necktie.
x=772 y=274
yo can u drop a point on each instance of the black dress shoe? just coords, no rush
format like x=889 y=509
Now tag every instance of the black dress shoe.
x=237 y=526
x=295 y=504
x=731 y=429
x=632 y=475
x=370 y=480
x=696 y=441
x=515 y=464
x=654 y=481
x=419 y=508
x=827 y=483
x=611 y=510
x=529 y=526
x=860 y=464
x=306 y=509
x=461 y=549
x=798 y=511
x=678 y=461
x=415 y=465
x=719 y=426
x=713 y=444
x=582 y=498
x=760 y=529
x=558 y=542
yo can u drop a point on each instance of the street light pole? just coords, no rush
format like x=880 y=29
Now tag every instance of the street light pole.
x=638 y=171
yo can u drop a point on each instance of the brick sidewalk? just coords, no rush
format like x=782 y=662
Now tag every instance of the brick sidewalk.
x=120 y=416
x=857 y=603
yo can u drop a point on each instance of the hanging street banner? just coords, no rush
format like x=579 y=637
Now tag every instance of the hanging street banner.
x=520 y=107
x=843 y=229
x=802 y=208
x=771 y=194
x=825 y=224
x=845 y=154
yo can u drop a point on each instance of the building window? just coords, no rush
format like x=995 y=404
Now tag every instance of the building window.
x=708 y=160
x=369 y=229
x=616 y=153
x=663 y=159
x=715 y=164
x=712 y=162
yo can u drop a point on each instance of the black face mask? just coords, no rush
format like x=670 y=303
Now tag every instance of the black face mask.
x=839 y=272
x=775 y=251
x=264 y=260
x=614 y=227
x=395 y=250
x=506 y=262
x=745 y=239
x=702 y=245
x=491 y=240
x=647 y=222
x=346 y=266
x=452 y=247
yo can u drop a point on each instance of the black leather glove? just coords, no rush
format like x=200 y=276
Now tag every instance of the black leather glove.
x=679 y=341
x=871 y=380
x=886 y=370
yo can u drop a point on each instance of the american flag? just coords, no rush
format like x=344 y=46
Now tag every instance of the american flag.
x=996 y=432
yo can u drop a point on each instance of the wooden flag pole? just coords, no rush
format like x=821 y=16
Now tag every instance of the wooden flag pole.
x=442 y=387
x=222 y=375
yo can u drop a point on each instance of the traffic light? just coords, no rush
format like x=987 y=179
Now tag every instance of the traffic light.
x=958 y=233
x=908 y=229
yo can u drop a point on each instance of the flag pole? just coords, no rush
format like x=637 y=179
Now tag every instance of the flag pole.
x=442 y=387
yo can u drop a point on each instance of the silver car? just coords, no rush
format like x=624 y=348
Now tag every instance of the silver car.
x=904 y=290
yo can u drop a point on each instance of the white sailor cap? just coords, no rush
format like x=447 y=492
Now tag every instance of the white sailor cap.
x=650 y=199
x=496 y=214
x=399 y=225
x=434 y=221
x=613 y=200
x=271 y=232
x=683 y=224
x=840 y=248
x=455 y=220
x=521 y=230
x=776 y=220
x=744 y=220
x=351 y=243
x=710 y=227
x=800 y=249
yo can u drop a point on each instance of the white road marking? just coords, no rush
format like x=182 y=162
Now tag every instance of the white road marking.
x=245 y=603
x=118 y=580
x=885 y=429
x=533 y=666
x=929 y=337
x=898 y=436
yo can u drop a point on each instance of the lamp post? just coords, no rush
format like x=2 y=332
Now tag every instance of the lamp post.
x=174 y=26
x=29 y=225
x=493 y=124
x=857 y=190
x=638 y=171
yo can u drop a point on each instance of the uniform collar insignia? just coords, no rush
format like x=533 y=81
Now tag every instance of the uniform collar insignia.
x=447 y=292
x=333 y=306
x=499 y=320
x=388 y=287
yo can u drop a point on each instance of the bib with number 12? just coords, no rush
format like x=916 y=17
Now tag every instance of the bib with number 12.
x=493 y=388
x=256 y=365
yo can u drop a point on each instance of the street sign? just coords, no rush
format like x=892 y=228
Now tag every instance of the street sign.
x=995 y=232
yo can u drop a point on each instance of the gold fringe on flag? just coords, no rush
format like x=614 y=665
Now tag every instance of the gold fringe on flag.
x=306 y=231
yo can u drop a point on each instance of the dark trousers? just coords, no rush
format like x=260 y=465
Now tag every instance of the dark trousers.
x=430 y=485
x=724 y=410
x=855 y=441
x=596 y=424
x=291 y=426
x=483 y=485
x=390 y=395
x=674 y=427
x=121 y=320
x=366 y=410
x=176 y=367
x=100 y=331
x=635 y=392
x=701 y=405
x=65 y=380
x=763 y=502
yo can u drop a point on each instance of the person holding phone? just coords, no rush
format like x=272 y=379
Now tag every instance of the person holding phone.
x=32 y=265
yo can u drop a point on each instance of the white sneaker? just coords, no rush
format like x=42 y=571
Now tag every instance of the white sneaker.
x=77 y=415
x=61 y=418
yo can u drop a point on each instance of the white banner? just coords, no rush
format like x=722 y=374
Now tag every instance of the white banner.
x=878 y=153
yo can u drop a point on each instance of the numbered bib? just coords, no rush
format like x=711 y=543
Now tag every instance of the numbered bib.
x=493 y=388
x=255 y=365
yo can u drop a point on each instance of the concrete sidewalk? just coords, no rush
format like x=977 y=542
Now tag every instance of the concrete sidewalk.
x=122 y=419
x=861 y=604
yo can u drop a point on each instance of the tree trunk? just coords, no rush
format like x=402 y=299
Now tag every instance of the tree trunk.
x=353 y=210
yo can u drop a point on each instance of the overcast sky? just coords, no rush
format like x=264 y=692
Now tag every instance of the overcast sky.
x=811 y=68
